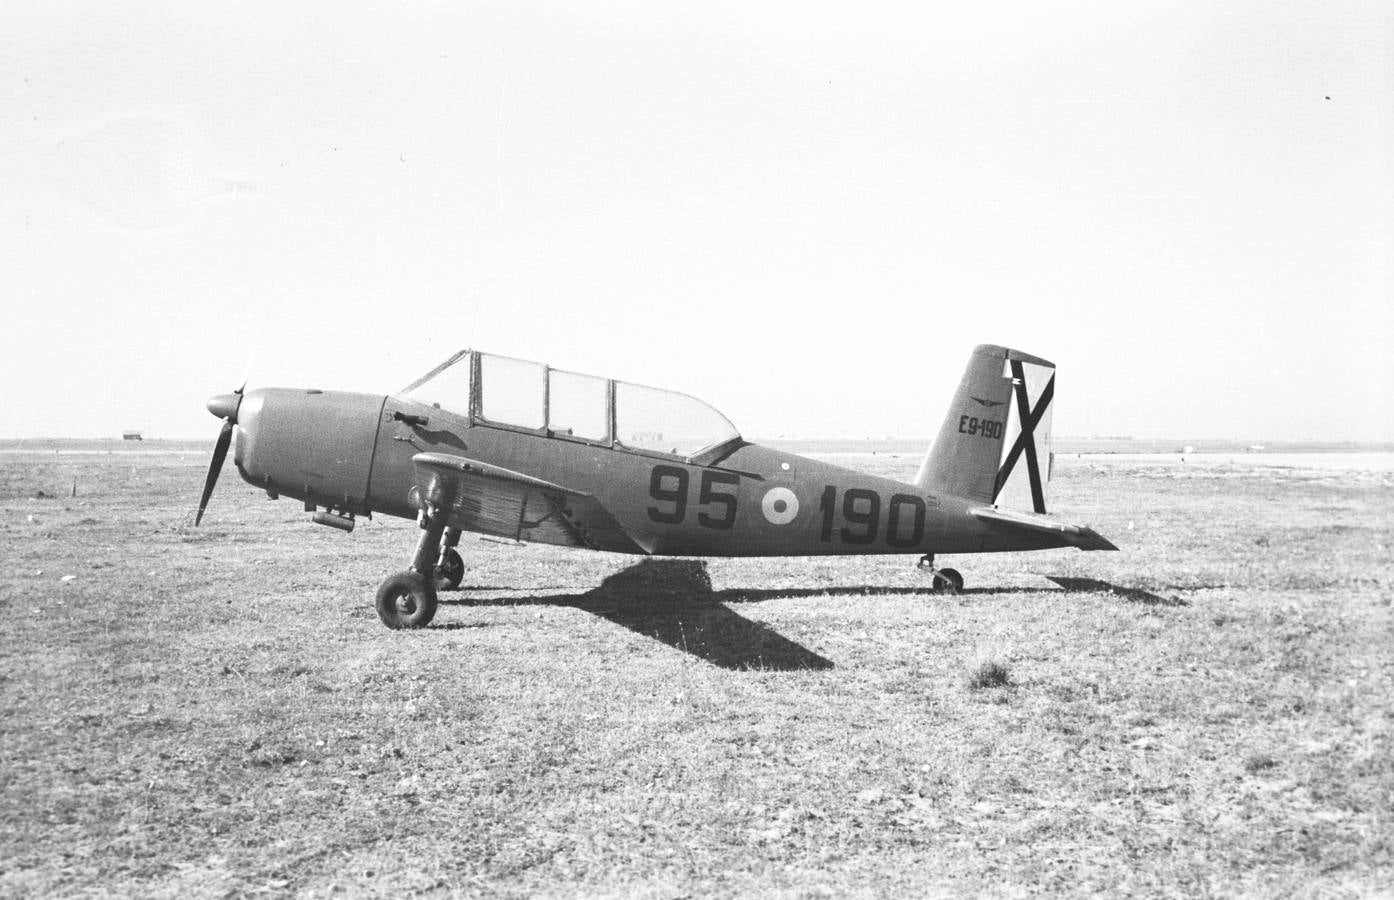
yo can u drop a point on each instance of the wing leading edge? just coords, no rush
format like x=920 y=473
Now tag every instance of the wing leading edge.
x=492 y=500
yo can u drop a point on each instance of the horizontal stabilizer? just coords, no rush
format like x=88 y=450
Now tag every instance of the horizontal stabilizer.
x=1081 y=536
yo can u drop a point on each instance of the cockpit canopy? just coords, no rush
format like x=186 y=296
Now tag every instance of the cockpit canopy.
x=515 y=393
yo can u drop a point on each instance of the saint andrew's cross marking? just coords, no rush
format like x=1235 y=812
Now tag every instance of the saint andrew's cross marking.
x=1026 y=440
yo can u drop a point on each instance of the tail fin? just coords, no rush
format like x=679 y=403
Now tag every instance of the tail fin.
x=994 y=445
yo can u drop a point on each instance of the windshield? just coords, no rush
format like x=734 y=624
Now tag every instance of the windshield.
x=446 y=386
x=532 y=396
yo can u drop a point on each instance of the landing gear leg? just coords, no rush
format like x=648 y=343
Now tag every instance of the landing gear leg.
x=450 y=568
x=946 y=581
x=408 y=599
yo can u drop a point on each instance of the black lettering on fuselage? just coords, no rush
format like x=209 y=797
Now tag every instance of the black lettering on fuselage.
x=861 y=509
x=669 y=486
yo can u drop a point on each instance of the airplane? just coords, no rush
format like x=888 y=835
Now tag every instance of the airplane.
x=515 y=449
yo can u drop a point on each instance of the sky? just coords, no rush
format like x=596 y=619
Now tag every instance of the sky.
x=805 y=214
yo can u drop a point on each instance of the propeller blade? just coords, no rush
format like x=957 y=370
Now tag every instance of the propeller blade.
x=246 y=370
x=214 y=467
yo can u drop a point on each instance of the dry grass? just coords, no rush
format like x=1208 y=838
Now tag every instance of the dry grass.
x=219 y=711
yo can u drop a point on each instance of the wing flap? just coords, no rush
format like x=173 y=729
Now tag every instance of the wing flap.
x=1081 y=536
x=490 y=499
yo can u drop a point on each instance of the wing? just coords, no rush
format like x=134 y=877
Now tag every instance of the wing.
x=492 y=500
x=1081 y=536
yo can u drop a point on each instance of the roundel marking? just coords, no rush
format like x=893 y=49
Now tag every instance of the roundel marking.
x=780 y=506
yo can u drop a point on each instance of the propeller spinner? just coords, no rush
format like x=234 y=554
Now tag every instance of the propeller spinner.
x=224 y=406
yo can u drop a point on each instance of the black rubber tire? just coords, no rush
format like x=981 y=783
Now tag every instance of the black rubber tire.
x=451 y=572
x=406 y=600
x=948 y=581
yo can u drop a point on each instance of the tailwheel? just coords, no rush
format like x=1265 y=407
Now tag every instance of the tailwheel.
x=948 y=581
x=406 y=600
x=450 y=570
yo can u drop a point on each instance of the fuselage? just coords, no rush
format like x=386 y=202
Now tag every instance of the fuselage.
x=353 y=453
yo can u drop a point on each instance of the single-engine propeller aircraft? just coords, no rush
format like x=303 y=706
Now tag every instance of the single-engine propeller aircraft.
x=517 y=449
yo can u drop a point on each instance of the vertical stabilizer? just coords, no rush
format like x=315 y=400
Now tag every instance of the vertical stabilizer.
x=994 y=444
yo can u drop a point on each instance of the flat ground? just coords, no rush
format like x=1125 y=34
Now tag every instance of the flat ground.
x=218 y=710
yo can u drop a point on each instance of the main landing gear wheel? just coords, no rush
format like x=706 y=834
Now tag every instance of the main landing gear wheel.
x=450 y=570
x=407 y=600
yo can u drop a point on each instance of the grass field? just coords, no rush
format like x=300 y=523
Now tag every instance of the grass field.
x=218 y=710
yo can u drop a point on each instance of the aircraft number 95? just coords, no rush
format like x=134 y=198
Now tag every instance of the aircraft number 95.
x=979 y=427
x=716 y=495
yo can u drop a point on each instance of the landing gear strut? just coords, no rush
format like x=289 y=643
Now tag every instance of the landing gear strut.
x=450 y=568
x=946 y=581
x=408 y=599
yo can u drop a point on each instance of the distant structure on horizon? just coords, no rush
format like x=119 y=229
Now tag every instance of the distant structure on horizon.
x=132 y=436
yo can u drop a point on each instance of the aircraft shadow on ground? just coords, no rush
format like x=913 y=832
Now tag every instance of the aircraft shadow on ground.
x=1132 y=595
x=672 y=601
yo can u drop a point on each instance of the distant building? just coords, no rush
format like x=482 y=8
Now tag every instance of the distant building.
x=132 y=436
